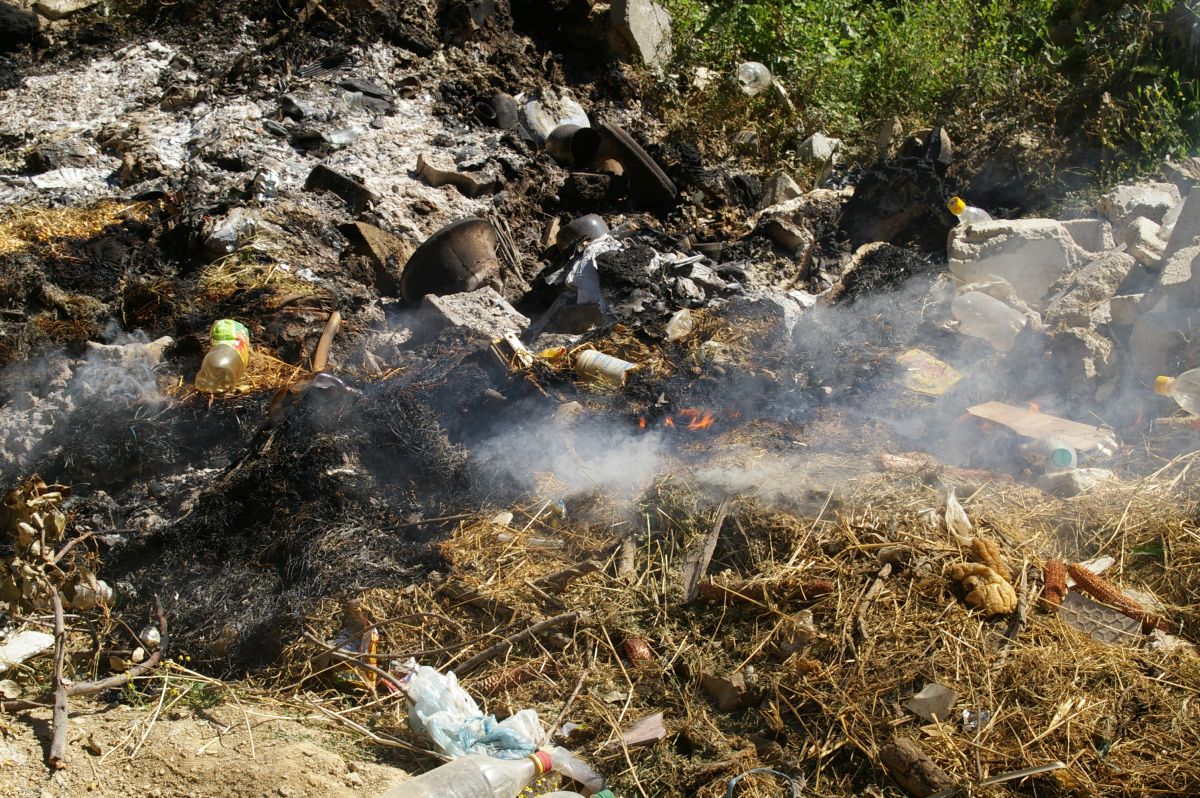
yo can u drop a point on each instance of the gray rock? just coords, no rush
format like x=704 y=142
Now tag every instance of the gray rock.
x=643 y=31
x=1142 y=238
x=1076 y=481
x=819 y=148
x=1123 y=309
x=780 y=188
x=62 y=151
x=1178 y=279
x=482 y=313
x=1151 y=200
x=1031 y=254
x=1187 y=227
x=1093 y=235
x=61 y=9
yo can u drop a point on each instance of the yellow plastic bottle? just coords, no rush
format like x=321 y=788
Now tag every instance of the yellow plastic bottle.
x=1184 y=389
x=967 y=214
x=226 y=360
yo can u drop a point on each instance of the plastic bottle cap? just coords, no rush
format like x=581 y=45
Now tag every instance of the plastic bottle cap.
x=1162 y=385
x=956 y=205
x=543 y=762
x=1062 y=458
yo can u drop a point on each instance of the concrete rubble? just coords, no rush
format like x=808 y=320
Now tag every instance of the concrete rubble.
x=642 y=29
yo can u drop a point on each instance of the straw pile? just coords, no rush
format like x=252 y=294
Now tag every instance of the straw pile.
x=809 y=633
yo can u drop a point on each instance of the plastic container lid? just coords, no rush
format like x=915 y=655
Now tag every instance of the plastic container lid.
x=1062 y=458
x=543 y=761
x=956 y=205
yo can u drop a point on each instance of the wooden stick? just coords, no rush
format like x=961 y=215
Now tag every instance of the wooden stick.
x=57 y=757
x=700 y=554
x=504 y=645
x=99 y=685
x=557 y=582
x=869 y=597
x=570 y=699
x=321 y=355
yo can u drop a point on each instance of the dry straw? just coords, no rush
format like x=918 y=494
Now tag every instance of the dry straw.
x=1032 y=690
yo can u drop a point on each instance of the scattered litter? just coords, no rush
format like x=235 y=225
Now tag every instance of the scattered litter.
x=925 y=374
x=935 y=702
x=21 y=646
x=1037 y=425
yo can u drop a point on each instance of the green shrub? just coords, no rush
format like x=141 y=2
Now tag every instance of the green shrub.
x=1116 y=78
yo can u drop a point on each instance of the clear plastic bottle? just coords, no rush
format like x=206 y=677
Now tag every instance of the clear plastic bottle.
x=983 y=316
x=1184 y=389
x=474 y=776
x=967 y=214
x=753 y=78
x=226 y=360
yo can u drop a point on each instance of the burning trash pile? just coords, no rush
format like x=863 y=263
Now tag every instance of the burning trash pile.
x=374 y=366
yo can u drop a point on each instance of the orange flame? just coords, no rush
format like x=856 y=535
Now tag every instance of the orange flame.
x=642 y=423
x=669 y=422
x=697 y=419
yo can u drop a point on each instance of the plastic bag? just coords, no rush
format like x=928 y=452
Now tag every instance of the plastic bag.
x=439 y=707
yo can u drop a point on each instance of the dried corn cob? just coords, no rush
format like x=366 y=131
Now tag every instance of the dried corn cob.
x=509 y=677
x=1055 y=575
x=638 y=650
x=1106 y=593
x=987 y=552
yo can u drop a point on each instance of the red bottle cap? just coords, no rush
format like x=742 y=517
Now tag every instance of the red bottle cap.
x=544 y=764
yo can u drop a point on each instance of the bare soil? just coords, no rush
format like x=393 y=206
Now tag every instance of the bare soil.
x=238 y=749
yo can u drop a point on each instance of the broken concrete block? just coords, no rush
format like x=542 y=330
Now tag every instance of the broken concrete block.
x=1151 y=200
x=819 y=148
x=1123 y=309
x=1080 y=298
x=1156 y=340
x=643 y=30
x=1142 y=238
x=1178 y=279
x=482 y=313
x=1081 y=355
x=1093 y=235
x=61 y=9
x=1187 y=227
x=1031 y=254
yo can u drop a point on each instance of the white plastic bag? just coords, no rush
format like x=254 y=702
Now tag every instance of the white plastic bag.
x=439 y=707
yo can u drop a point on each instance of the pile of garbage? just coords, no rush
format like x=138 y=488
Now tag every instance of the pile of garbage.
x=411 y=356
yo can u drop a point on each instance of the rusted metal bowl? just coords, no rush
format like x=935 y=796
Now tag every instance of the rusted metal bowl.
x=459 y=257
x=572 y=145
x=585 y=228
